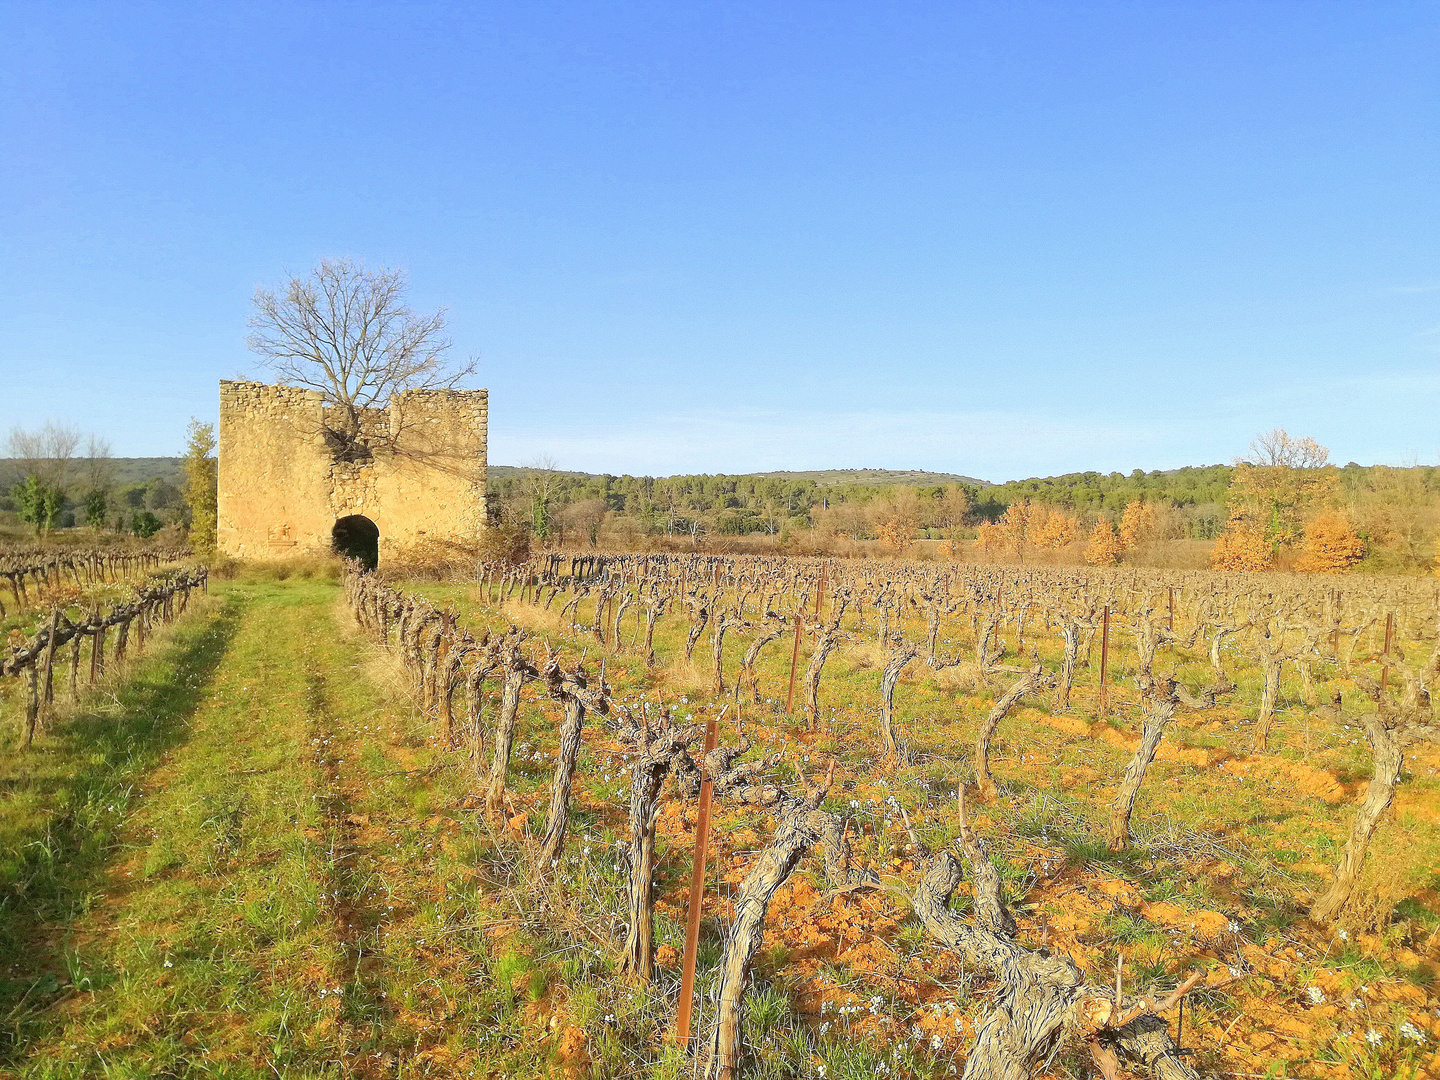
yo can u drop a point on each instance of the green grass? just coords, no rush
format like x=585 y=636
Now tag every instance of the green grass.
x=189 y=894
x=67 y=808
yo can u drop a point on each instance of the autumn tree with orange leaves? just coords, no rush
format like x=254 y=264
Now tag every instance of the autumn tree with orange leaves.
x=1137 y=524
x=1237 y=549
x=1331 y=545
x=896 y=518
x=1283 y=483
x=1103 y=547
x=1053 y=529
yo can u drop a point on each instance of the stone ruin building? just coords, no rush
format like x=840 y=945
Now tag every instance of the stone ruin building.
x=285 y=487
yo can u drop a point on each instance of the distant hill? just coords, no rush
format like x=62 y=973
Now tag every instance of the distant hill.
x=128 y=470
x=876 y=477
x=819 y=477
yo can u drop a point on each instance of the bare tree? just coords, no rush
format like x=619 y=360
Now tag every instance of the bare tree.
x=47 y=452
x=1277 y=448
x=585 y=518
x=97 y=466
x=347 y=332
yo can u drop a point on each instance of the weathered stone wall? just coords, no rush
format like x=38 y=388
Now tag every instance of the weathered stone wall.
x=281 y=491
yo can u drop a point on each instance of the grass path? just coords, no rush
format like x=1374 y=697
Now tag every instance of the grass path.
x=216 y=876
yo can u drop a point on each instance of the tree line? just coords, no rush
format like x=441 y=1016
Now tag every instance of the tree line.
x=66 y=479
x=1257 y=511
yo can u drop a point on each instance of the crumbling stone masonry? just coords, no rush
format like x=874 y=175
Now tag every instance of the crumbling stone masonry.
x=283 y=491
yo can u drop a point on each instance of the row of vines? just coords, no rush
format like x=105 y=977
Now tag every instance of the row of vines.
x=1379 y=636
x=156 y=599
x=35 y=576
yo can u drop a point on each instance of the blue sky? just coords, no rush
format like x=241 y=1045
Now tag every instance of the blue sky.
x=1001 y=239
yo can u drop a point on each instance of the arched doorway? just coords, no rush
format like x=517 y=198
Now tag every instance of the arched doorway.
x=357 y=537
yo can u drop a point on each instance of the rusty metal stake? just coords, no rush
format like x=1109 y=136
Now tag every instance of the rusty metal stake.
x=1389 y=643
x=794 y=659
x=1104 y=660
x=697 y=891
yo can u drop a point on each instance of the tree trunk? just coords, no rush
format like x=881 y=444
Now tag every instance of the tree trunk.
x=699 y=620
x=647 y=775
x=1025 y=684
x=1388 y=758
x=1268 y=698
x=825 y=643
x=474 y=707
x=559 y=816
x=800 y=827
x=598 y=626
x=1159 y=711
x=625 y=601
x=448 y=683
x=1071 y=633
x=752 y=654
x=652 y=615
x=986 y=651
x=888 y=678
x=514 y=679
x=1040 y=995
x=97 y=653
x=121 y=639
x=717 y=647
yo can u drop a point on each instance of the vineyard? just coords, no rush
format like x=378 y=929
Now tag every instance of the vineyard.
x=723 y=817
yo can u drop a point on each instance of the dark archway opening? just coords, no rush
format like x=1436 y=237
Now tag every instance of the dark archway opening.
x=357 y=537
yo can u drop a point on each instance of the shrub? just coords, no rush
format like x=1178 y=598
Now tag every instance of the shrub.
x=1239 y=549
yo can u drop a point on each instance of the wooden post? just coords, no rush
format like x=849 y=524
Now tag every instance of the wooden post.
x=32 y=703
x=75 y=665
x=1389 y=642
x=794 y=659
x=47 y=688
x=1170 y=625
x=795 y=652
x=697 y=892
x=1104 y=660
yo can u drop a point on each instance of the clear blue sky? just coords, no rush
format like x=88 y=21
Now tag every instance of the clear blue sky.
x=1001 y=239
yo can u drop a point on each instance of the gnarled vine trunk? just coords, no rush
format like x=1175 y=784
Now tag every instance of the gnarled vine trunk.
x=1032 y=681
